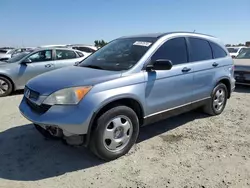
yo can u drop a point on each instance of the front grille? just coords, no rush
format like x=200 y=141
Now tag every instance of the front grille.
x=40 y=109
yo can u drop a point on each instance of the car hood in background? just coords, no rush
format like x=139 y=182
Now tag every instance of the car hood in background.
x=50 y=82
x=242 y=64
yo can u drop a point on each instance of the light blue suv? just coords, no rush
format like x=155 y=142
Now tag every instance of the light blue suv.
x=132 y=81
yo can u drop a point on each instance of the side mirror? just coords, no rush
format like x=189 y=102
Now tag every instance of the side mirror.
x=160 y=64
x=26 y=61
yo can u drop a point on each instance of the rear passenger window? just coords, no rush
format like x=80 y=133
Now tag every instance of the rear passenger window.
x=174 y=50
x=199 y=50
x=65 y=54
x=218 y=52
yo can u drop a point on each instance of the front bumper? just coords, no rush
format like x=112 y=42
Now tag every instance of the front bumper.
x=72 y=119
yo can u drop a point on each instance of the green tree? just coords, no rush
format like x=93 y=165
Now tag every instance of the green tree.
x=99 y=43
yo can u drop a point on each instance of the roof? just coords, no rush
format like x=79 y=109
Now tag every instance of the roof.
x=52 y=48
x=158 y=35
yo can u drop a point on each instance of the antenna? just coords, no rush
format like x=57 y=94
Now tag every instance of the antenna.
x=194 y=31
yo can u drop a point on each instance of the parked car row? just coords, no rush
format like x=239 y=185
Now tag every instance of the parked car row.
x=7 y=53
x=132 y=81
x=17 y=71
x=235 y=51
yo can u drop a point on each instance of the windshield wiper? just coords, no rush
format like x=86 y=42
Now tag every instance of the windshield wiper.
x=92 y=66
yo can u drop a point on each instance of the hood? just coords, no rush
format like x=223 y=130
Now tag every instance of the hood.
x=50 y=82
x=242 y=64
x=3 y=63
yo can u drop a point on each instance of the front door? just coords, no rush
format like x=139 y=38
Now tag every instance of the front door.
x=40 y=62
x=169 y=89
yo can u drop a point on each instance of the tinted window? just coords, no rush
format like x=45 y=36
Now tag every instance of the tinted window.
x=218 y=52
x=65 y=54
x=174 y=50
x=80 y=54
x=40 y=56
x=199 y=50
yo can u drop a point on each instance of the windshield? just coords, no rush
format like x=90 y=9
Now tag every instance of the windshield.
x=244 y=54
x=120 y=54
x=232 y=50
x=17 y=57
x=11 y=51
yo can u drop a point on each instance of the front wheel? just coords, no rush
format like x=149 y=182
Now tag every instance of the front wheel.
x=116 y=132
x=5 y=87
x=218 y=100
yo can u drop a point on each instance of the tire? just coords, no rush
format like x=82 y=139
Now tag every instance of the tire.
x=210 y=108
x=6 y=86
x=121 y=124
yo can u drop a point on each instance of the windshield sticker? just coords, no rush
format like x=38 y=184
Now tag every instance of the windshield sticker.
x=141 y=43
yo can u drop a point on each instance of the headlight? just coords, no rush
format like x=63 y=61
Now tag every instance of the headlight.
x=67 y=96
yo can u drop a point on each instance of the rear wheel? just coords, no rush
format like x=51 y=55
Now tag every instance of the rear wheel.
x=5 y=87
x=117 y=131
x=218 y=101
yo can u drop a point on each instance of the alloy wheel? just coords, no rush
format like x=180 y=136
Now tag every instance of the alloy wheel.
x=117 y=133
x=3 y=86
x=219 y=99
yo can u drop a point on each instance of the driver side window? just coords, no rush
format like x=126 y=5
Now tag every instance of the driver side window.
x=41 y=56
x=174 y=50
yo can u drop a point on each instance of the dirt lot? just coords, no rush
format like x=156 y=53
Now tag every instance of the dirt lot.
x=191 y=150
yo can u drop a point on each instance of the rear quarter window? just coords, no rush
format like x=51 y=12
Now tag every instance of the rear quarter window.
x=200 y=49
x=218 y=52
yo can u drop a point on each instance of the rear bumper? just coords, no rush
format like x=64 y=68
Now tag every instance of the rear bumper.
x=242 y=77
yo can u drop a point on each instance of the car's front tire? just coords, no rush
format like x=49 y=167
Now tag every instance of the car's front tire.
x=116 y=132
x=5 y=87
x=218 y=100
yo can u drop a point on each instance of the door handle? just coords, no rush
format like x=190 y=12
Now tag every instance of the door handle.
x=185 y=69
x=48 y=65
x=215 y=64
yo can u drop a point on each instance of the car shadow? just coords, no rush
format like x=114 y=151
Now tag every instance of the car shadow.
x=27 y=156
x=242 y=89
x=152 y=130
x=18 y=92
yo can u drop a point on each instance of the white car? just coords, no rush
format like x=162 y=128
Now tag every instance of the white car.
x=13 y=52
x=4 y=51
x=234 y=51
x=89 y=49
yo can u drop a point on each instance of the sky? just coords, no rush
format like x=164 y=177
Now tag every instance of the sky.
x=44 y=22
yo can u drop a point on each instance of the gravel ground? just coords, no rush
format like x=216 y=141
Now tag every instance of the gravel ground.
x=190 y=150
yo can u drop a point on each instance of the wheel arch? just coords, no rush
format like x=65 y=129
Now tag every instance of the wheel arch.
x=126 y=101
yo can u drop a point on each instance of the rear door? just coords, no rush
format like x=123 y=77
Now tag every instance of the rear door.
x=204 y=66
x=65 y=58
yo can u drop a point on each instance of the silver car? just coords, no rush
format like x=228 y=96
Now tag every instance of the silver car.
x=15 y=72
